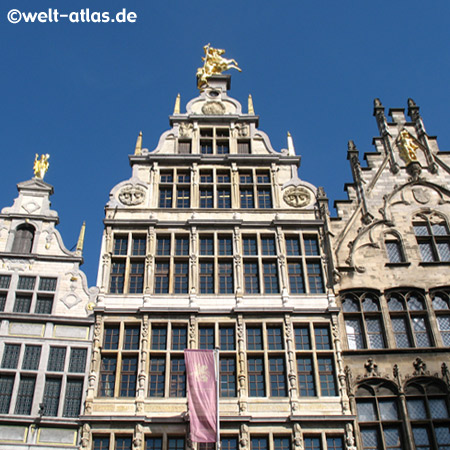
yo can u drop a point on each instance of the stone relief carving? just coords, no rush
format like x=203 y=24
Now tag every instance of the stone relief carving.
x=297 y=196
x=185 y=129
x=350 y=437
x=213 y=108
x=132 y=195
x=31 y=207
x=298 y=438
x=421 y=195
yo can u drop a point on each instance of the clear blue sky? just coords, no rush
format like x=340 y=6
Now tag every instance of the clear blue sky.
x=83 y=91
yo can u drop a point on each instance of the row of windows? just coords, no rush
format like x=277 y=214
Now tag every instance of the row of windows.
x=433 y=239
x=214 y=141
x=266 y=360
x=405 y=316
x=255 y=190
x=258 y=442
x=28 y=293
x=381 y=415
x=216 y=268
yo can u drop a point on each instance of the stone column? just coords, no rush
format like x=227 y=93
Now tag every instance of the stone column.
x=242 y=372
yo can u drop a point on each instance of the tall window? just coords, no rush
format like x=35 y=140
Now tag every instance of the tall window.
x=214 y=141
x=265 y=348
x=25 y=395
x=409 y=319
x=304 y=264
x=315 y=364
x=127 y=264
x=363 y=320
x=167 y=343
x=441 y=305
x=171 y=264
x=433 y=238
x=183 y=190
x=23 y=239
x=379 y=416
x=118 y=372
x=5 y=281
x=394 y=249
x=261 y=190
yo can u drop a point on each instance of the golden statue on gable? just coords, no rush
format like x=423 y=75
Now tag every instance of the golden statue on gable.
x=407 y=146
x=214 y=63
x=41 y=165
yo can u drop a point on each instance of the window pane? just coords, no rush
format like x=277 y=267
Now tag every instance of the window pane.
x=302 y=340
x=366 y=411
x=444 y=327
x=128 y=376
x=370 y=439
x=161 y=278
x=275 y=338
x=374 y=331
x=277 y=377
x=249 y=246
x=32 y=357
x=177 y=378
x=180 y=279
x=179 y=338
x=443 y=250
x=107 y=376
x=421 y=438
x=47 y=284
x=421 y=332
x=305 y=377
x=136 y=278
x=227 y=377
x=254 y=338
x=206 y=198
x=311 y=246
x=159 y=337
x=157 y=377
x=120 y=245
x=426 y=251
x=44 y=305
x=394 y=251
x=335 y=443
x=322 y=335
x=223 y=198
x=247 y=200
x=401 y=335
x=312 y=443
x=226 y=278
x=206 y=246
x=26 y=283
x=292 y=246
x=6 y=387
x=22 y=303
x=264 y=198
x=392 y=438
x=117 y=277
x=206 y=276
x=163 y=246
x=326 y=375
x=296 y=278
x=416 y=409
x=111 y=338
x=51 y=396
x=152 y=443
x=131 y=338
x=182 y=246
x=165 y=197
x=354 y=334
x=315 y=278
x=388 y=409
x=268 y=246
x=183 y=197
x=5 y=281
x=56 y=359
x=259 y=443
x=438 y=408
x=206 y=338
x=11 y=354
x=77 y=361
x=25 y=395
x=256 y=377
x=270 y=276
x=139 y=246
x=251 y=278
x=227 y=339
x=225 y=246
x=442 y=437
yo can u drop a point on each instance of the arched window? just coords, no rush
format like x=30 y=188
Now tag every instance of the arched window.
x=409 y=319
x=23 y=239
x=433 y=237
x=441 y=305
x=363 y=320
x=379 y=417
x=428 y=411
x=394 y=249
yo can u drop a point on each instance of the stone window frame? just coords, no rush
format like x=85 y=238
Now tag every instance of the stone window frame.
x=127 y=271
x=118 y=351
x=363 y=315
x=394 y=238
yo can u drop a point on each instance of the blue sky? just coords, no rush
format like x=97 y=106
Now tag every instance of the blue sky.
x=83 y=91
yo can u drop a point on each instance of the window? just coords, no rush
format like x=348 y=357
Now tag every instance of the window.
x=127 y=265
x=184 y=147
x=166 y=188
x=101 y=443
x=171 y=264
x=363 y=320
x=72 y=399
x=315 y=364
x=23 y=239
x=5 y=281
x=6 y=388
x=243 y=147
x=56 y=359
x=32 y=357
x=428 y=412
x=409 y=319
x=153 y=443
x=256 y=376
x=77 y=362
x=261 y=190
x=25 y=395
x=214 y=141
x=168 y=341
x=304 y=264
x=206 y=337
x=11 y=354
x=123 y=443
x=441 y=305
x=119 y=360
x=433 y=238
x=394 y=250
x=50 y=399
x=227 y=377
x=215 y=251
x=251 y=278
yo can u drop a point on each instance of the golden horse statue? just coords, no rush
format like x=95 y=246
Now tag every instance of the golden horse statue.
x=214 y=63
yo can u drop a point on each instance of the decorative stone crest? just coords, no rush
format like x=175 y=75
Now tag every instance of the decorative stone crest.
x=132 y=195
x=216 y=108
x=421 y=195
x=297 y=196
x=31 y=207
x=186 y=129
x=70 y=300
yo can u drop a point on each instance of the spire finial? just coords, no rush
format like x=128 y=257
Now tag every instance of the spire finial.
x=290 y=144
x=40 y=166
x=138 y=149
x=176 y=109
x=80 y=243
x=351 y=146
x=377 y=103
x=251 y=110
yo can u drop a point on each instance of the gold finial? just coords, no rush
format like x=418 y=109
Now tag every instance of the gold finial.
x=80 y=242
x=138 y=149
x=213 y=63
x=407 y=146
x=176 y=109
x=40 y=166
x=290 y=144
x=250 y=105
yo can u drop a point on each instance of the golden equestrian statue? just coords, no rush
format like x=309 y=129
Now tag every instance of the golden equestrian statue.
x=214 y=63
x=41 y=166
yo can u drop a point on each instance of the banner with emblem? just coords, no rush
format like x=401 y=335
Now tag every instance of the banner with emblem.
x=202 y=394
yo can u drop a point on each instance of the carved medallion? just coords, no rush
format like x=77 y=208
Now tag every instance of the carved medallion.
x=132 y=195
x=31 y=207
x=421 y=195
x=297 y=196
x=213 y=108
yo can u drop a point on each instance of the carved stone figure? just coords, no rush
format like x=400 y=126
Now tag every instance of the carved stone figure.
x=132 y=195
x=297 y=196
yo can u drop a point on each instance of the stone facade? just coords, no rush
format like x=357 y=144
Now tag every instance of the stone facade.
x=390 y=246
x=45 y=326
x=215 y=242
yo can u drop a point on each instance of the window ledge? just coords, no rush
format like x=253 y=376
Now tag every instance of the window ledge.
x=434 y=263
x=400 y=264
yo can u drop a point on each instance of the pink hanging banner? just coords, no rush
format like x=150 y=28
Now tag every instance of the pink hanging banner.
x=202 y=394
